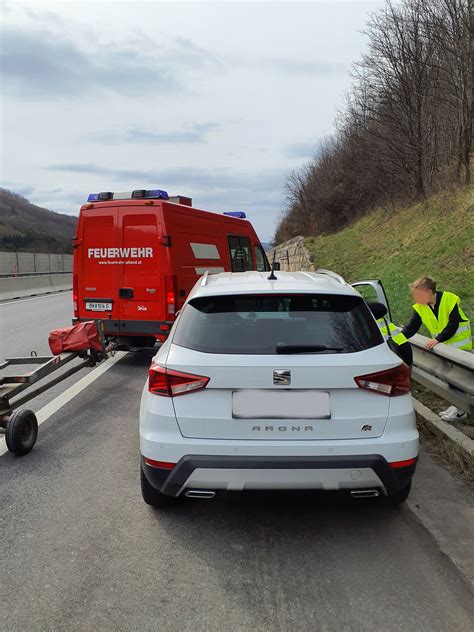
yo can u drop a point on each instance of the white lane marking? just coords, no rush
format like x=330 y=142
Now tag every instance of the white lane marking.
x=58 y=402
x=36 y=298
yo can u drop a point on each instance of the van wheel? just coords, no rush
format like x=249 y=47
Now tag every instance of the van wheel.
x=152 y=496
x=393 y=500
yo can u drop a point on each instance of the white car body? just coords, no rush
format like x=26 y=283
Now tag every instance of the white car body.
x=245 y=431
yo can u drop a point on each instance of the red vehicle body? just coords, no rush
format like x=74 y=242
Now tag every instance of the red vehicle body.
x=136 y=259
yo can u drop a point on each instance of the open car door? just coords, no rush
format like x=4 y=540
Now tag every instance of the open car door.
x=373 y=290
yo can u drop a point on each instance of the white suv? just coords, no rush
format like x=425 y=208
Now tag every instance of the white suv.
x=276 y=384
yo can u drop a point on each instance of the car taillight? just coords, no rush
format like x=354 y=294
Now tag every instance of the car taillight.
x=74 y=295
x=170 y=290
x=392 y=382
x=165 y=465
x=169 y=383
x=397 y=465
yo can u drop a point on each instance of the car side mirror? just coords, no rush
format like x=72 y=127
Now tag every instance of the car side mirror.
x=378 y=310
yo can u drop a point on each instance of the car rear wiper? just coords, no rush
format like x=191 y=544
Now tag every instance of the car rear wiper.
x=281 y=347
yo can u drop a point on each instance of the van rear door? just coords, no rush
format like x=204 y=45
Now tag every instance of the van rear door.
x=97 y=273
x=141 y=274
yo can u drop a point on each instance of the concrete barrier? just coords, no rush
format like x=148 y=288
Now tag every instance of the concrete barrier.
x=18 y=287
x=12 y=263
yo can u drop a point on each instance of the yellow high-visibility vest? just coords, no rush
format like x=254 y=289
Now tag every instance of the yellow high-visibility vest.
x=462 y=339
x=395 y=332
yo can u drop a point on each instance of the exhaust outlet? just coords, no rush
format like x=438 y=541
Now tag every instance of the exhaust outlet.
x=365 y=493
x=199 y=493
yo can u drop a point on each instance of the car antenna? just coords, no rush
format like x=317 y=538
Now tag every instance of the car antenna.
x=272 y=276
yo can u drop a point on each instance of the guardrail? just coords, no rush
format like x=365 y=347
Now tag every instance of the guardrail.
x=446 y=371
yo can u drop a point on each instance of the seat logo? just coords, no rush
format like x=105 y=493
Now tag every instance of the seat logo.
x=282 y=377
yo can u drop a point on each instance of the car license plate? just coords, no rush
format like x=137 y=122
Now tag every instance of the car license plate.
x=99 y=307
x=288 y=404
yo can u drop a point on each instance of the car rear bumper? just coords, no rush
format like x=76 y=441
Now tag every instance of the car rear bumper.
x=350 y=472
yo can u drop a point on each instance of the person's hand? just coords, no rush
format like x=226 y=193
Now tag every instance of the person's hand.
x=431 y=343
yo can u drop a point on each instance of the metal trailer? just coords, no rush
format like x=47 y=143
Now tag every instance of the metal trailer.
x=19 y=425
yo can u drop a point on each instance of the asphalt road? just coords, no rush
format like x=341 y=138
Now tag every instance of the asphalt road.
x=26 y=323
x=81 y=551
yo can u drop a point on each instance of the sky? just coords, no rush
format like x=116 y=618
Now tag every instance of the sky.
x=216 y=101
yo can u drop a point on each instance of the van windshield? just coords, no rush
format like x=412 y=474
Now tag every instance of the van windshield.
x=256 y=324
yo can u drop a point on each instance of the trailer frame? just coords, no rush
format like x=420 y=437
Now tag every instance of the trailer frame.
x=20 y=426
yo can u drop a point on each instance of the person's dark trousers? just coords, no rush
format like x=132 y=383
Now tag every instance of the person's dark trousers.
x=403 y=351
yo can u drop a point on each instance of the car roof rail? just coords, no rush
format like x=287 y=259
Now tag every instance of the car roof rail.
x=310 y=275
x=204 y=278
x=333 y=275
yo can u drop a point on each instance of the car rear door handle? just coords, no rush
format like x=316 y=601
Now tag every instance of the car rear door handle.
x=126 y=292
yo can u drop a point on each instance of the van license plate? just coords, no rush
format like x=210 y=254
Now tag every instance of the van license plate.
x=99 y=307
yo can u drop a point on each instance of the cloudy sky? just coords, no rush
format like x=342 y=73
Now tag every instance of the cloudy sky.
x=218 y=101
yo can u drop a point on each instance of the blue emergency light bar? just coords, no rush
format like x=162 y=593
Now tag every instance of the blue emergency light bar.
x=138 y=193
x=154 y=193
x=100 y=197
x=239 y=214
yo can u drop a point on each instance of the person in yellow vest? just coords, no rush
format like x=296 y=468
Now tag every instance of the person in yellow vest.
x=396 y=340
x=392 y=334
x=441 y=314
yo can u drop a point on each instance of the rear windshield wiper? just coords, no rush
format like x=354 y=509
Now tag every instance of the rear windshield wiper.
x=281 y=347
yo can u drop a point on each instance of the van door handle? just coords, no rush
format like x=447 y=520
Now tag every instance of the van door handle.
x=126 y=292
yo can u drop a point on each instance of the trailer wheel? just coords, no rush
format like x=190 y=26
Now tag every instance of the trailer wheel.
x=21 y=432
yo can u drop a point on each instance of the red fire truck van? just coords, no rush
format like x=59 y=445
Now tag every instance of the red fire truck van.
x=137 y=255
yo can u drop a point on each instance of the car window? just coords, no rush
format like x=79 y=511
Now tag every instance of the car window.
x=240 y=253
x=260 y=259
x=367 y=292
x=254 y=324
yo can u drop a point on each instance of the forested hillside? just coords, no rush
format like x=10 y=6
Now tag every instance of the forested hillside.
x=29 y=228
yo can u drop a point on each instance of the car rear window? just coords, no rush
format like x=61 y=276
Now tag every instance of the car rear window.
x=255 y=324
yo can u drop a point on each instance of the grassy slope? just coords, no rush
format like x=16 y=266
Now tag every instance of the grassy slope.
x=435 y=237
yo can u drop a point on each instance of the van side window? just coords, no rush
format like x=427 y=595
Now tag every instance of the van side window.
x=260 y=259
x=240 y=253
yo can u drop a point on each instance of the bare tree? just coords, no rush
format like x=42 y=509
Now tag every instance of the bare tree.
x=452 y=26
x=406 y=127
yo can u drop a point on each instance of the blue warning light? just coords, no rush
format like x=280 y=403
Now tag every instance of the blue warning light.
x=239 y=214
